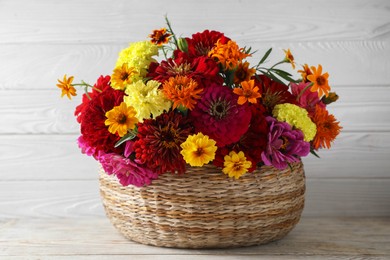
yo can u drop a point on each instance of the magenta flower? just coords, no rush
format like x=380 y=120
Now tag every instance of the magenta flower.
x=308 y=100
x=85 y=148
x=127 y=171
x=284 y=144
x=218 y=115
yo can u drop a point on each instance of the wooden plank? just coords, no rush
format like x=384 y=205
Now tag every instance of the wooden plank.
x=95 y=238
x=44 y=112
x=42 y=64
x=57 y=157
x=80 y=198
x=85 y=21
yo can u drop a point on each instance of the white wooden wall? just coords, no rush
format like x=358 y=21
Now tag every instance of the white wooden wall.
x=43 y=174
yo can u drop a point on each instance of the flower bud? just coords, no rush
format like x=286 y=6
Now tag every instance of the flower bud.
x=182 y=44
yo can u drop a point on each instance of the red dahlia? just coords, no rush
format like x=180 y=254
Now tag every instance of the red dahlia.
x=101 y=84
x=159 y=140
x=94 y=131
x=201 y=43
x=218 y=115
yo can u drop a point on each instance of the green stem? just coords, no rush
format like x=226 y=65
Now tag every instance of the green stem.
x=171 y=31
x=303 y=90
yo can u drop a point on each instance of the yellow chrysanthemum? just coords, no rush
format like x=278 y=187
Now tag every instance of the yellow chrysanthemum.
x=66 y=86
x=297 y=117
x=138 y=55
x=147 y=99
x=120 y=119
x=198 y=149
x=235 y=164
x=122 y=76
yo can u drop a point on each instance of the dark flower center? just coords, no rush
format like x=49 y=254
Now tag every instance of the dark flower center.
x=219 y=109
x=284 y=144
x=199 y=152
x=122 y=118
x=321 y=80
x=169 y=137
x=124 y=76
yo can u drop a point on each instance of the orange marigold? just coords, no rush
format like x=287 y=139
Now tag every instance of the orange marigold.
x=289 y=58
x=249 y=92
x=67 y=87
x=182 y=90
x=305 y=72
x=229 y=55
x=243 y=72
x=327 y=128
x=160 y=37
x=319 y=80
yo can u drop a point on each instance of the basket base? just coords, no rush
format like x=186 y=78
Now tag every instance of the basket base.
x=207 y=209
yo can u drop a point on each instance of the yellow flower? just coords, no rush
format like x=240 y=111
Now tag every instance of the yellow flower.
x=229 y=55
x=122 y=76
x=289 y=58
x=147 y=99
x=66 y=86
x=198 y=149
x=138 y=56
x=235 y=164
x=120 y=119
x=296 y=117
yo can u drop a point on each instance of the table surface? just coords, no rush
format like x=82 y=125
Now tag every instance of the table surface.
x=96 y=238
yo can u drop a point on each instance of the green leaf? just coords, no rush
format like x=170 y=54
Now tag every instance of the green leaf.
x=265 y=56
x=282 y=72
x=272 y=76
x=127 y=137
x=314 y=153
x=283 y=75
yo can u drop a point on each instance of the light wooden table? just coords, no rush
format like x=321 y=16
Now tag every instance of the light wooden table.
x=96 y=238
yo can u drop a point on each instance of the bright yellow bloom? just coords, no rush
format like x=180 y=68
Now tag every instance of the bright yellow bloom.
x=289 y=58
x=138 y=55
x=66 y=86
x=198 y=149
x=235 y=164
x=147 y=99
x=229 y=55
x=182 y=90
x=320 y=81
x=122 y=76
x=296 y=117
x=249 y=92
x=120 y=119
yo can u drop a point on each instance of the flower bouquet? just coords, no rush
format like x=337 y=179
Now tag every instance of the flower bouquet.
x=198 y=147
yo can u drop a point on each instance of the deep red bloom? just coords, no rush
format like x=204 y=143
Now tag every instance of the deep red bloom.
x=94 y=131
x=218 y=115
x=159 y=140
x=201 y=43
x=273 y=92
x=101 y=84
x=200 y=69
x=252 y=143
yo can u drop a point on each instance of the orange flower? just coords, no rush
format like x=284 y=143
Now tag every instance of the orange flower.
x=327 y=128
x=182 y=90
x=248 y=92
x=319 y=80
x=229 y=55
x=66 y=86
x=289 y=58
x=243 y=72
x=160 y=37
x=305 y=72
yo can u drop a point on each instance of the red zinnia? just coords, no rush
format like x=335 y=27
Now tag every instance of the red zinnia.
x=201 y=43
x=273 y=92
x=101 y=84
x=158 y=146
x=95 y=133
x=218 y=115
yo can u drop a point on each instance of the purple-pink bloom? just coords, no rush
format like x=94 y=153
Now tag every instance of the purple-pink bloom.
x=308 y=100
x=127 y=171
x=85 y=148
x=284 y=144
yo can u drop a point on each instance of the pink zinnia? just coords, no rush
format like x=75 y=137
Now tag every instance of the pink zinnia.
x=218 y=115
x=127 y=171
x=308 y=100
x=284 y=144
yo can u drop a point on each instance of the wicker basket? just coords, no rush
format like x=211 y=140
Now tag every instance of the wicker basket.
x=205 y=209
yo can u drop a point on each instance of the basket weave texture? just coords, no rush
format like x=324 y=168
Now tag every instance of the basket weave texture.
x=206 y=209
